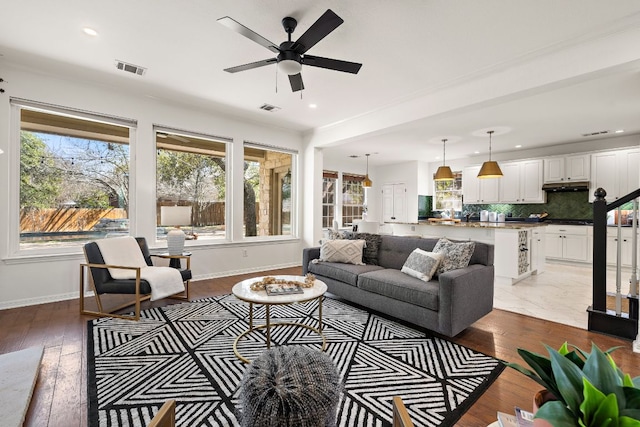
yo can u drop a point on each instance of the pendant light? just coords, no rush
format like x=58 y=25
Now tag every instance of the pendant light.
x=490 y=169
x=444 y=172
x=367 y=182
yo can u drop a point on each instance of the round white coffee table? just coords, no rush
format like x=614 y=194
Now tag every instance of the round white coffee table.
x=242 y=291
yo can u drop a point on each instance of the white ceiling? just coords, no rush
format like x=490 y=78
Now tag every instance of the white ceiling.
x=421 y=59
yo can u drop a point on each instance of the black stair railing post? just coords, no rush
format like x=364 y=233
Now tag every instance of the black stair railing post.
x=599 y=251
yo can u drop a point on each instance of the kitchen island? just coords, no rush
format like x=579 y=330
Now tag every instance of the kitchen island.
x=519 y=247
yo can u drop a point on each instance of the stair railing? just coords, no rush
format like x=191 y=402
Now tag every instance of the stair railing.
x=599 y=319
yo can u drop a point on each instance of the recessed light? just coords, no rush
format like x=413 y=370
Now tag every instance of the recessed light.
x=313 y=106
x=518 y=146
x=620 y=131
x=476 y=152
x=90 y=31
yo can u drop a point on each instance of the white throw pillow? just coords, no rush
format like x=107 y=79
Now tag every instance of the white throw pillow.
x=456 y=255
x=422 y=264
x=346 y=251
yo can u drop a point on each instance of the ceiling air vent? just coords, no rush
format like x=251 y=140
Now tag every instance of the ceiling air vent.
x=130 y=68
x=602 y=132
x=269 y=107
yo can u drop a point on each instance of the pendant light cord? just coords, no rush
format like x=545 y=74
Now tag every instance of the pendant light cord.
x=444 y=151
x=490 y=133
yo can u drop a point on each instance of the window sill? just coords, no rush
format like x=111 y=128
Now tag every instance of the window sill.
x=76 y=253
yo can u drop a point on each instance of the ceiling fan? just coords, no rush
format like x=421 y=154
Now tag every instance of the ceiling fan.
x=292 y=55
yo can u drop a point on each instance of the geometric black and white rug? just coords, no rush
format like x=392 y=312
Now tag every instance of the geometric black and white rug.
x=184 y=352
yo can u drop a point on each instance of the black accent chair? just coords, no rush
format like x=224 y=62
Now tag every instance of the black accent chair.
x=102 y=283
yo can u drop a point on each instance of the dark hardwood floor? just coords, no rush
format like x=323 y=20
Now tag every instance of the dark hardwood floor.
x=60 y=396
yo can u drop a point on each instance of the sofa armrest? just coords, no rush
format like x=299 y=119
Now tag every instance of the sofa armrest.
x=466 y=295
x=308 y=255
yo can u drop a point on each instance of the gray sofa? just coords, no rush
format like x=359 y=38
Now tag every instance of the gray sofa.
x=447 y=304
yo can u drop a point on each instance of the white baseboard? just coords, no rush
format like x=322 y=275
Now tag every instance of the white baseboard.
x=4 y=305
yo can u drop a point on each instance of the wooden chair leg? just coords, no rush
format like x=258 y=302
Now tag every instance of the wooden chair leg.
x=166 y=416
x=400 y=415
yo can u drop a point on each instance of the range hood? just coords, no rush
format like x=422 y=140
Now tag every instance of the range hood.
x=567 y=186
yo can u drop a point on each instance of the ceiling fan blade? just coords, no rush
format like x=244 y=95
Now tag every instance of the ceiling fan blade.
x=296 y=82
x=328 y=22
x=332 y=64
x=250 y=34
x=251 y=65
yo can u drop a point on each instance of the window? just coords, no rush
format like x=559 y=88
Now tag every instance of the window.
x=191 y=171
x=448 y=194
x=268 y=191
x=74 y=177
x=352 y=198
x=329 y=181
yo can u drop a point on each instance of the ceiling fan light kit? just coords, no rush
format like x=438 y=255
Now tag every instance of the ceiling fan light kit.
x=444 y=172
x=292 y=55
x=490 y=169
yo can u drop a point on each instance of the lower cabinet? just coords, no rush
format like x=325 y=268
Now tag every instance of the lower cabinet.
x=567 y=242
x=512 y=254
x=626 y=246
x=538 y=256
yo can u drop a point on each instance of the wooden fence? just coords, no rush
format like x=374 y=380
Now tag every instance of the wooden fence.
x=65 y=219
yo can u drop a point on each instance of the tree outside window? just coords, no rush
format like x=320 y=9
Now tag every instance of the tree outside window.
x=191 y=171
x=74 y=179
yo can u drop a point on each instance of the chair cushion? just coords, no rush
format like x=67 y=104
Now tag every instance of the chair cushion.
x=123 y=287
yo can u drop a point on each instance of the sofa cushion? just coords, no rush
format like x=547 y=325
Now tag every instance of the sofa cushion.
x=347 y=273
x=394 y=250
x=370 y=253
x=422 y=264
x=456 y=255
x=397 y=285
x=347 y=251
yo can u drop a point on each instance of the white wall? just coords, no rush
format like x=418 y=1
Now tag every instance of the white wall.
x=27 y=280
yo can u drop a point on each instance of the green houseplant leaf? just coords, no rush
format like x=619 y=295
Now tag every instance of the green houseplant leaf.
x=556 y=413
x=591 y=390
x=568 y=379
x=597 y=408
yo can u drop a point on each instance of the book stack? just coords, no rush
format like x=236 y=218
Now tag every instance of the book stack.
x=283 y=289
x=520 y=418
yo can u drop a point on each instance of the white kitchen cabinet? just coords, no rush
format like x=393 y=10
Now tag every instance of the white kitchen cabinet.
x=567 y=242
x=394 y=203
x=616 y=172
x=626 y=247
x=567 y=168
x=479 y=191
x=512 y=254
x=522 y=182
x=538 y=255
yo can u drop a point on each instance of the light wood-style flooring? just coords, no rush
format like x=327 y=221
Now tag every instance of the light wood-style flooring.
x=60 y=396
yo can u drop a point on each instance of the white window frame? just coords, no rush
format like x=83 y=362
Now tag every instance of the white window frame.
x=13 y=232
x=295 y=158
x=228 y=174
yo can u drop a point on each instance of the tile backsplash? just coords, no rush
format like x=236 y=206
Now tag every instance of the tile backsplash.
x=565 y=205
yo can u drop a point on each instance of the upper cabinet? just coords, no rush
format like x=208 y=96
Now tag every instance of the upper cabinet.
x=522 y=182
x=617 y=172
x=479 y=191
x=567 y=168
